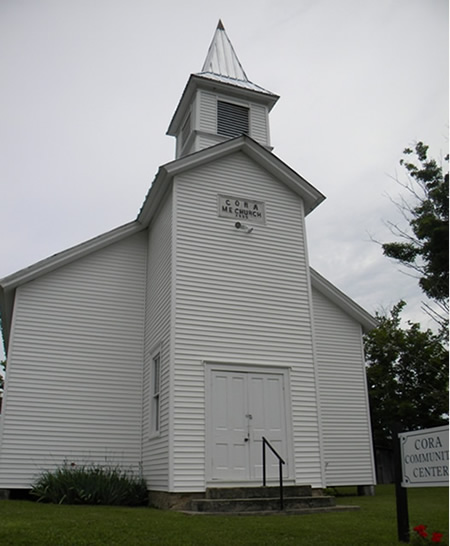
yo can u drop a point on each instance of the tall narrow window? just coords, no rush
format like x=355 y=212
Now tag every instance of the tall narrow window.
x=156 y=373
x=232 y=119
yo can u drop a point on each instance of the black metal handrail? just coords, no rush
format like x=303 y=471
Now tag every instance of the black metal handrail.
x=265 y=443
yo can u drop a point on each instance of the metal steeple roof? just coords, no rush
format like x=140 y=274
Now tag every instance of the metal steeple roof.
x=221 y=58
x=221 y=70
x=222 y=64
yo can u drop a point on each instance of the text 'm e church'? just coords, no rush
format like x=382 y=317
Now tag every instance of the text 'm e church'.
x=173 y=346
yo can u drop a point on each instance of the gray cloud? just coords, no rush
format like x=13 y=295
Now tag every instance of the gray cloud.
x=88 y=90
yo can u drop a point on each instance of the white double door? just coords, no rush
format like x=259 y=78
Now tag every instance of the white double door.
x=244 y=406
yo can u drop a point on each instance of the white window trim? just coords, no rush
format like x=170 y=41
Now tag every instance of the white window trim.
x=155 y=394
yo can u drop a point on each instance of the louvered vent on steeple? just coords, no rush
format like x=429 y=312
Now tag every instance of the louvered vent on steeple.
x=232 y=119
x=220 y=102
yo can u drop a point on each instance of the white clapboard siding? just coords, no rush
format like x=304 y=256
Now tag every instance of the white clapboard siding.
x=259 y=124
x=157 y=339
x=343 y=396
x=207 y=120
x=74 y=380
x=243 y=299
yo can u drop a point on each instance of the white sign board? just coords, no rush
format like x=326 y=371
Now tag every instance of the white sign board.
x=425 y=457
x=247 y=210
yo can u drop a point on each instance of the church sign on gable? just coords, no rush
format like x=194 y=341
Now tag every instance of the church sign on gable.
x=239 y=208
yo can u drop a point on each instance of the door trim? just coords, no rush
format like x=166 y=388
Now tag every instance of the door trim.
x=213 y=366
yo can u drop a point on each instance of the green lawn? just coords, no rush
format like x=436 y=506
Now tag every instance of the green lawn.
x=29 y=523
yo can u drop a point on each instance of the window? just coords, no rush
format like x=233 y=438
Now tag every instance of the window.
x=232 y=119
x=156 y=373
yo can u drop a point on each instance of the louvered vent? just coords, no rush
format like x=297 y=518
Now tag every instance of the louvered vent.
x=232 y=119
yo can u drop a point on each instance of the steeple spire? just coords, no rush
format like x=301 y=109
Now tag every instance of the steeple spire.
x=220 y=102
x=221 y=58
x=222 y=63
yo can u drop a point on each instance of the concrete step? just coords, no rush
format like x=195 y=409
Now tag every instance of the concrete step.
x=257 y=492
x=259 y=505
x=299 y=512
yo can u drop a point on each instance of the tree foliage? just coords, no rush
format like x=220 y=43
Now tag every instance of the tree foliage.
x=407 y=375
x=425 y=247
x=2 y=372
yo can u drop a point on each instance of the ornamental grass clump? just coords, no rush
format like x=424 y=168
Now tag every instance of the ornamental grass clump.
x=90 y=484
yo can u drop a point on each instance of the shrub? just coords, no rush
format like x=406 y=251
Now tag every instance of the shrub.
x=90 y=484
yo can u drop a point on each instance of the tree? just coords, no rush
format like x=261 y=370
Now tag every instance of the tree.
x=407 y=376
x=2 y=381
x=425 y=247
x=2 y=373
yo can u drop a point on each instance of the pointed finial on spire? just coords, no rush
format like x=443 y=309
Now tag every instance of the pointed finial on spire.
x=221 y=58
x=222 y=64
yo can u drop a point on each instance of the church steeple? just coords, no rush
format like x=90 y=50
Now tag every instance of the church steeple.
x=221 y=58
x=220 y=102
x=222 y=63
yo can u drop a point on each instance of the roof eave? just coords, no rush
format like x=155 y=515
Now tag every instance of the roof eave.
x=6 y=309
x=67 y=256
x=325 y=287
x=9 y=283
x=310 y=195
x=196 y=80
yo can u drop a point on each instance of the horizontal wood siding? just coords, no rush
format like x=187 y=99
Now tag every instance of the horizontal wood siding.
x=157 y=338
x=208 y=112
x=206 y=128
x=74 y=382
x=343 y=396
x=259 y=124
x=243 y=299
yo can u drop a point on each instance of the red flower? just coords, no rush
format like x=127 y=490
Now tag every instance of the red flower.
x=436 y=537
x=420 y=530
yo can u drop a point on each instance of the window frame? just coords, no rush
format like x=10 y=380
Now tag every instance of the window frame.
x=155 y=389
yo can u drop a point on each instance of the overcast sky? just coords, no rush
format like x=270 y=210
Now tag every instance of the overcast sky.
x=88 y=88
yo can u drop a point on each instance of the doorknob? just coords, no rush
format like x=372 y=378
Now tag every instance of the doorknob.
x=245 y=439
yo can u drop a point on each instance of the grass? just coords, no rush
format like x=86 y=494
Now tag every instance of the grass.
x=28 y=523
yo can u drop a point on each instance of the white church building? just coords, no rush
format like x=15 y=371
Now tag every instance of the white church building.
x=173 y=344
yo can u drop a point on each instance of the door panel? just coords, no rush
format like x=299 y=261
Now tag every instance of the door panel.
x=269 y=418
x=230 y=454
x=245 y=407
